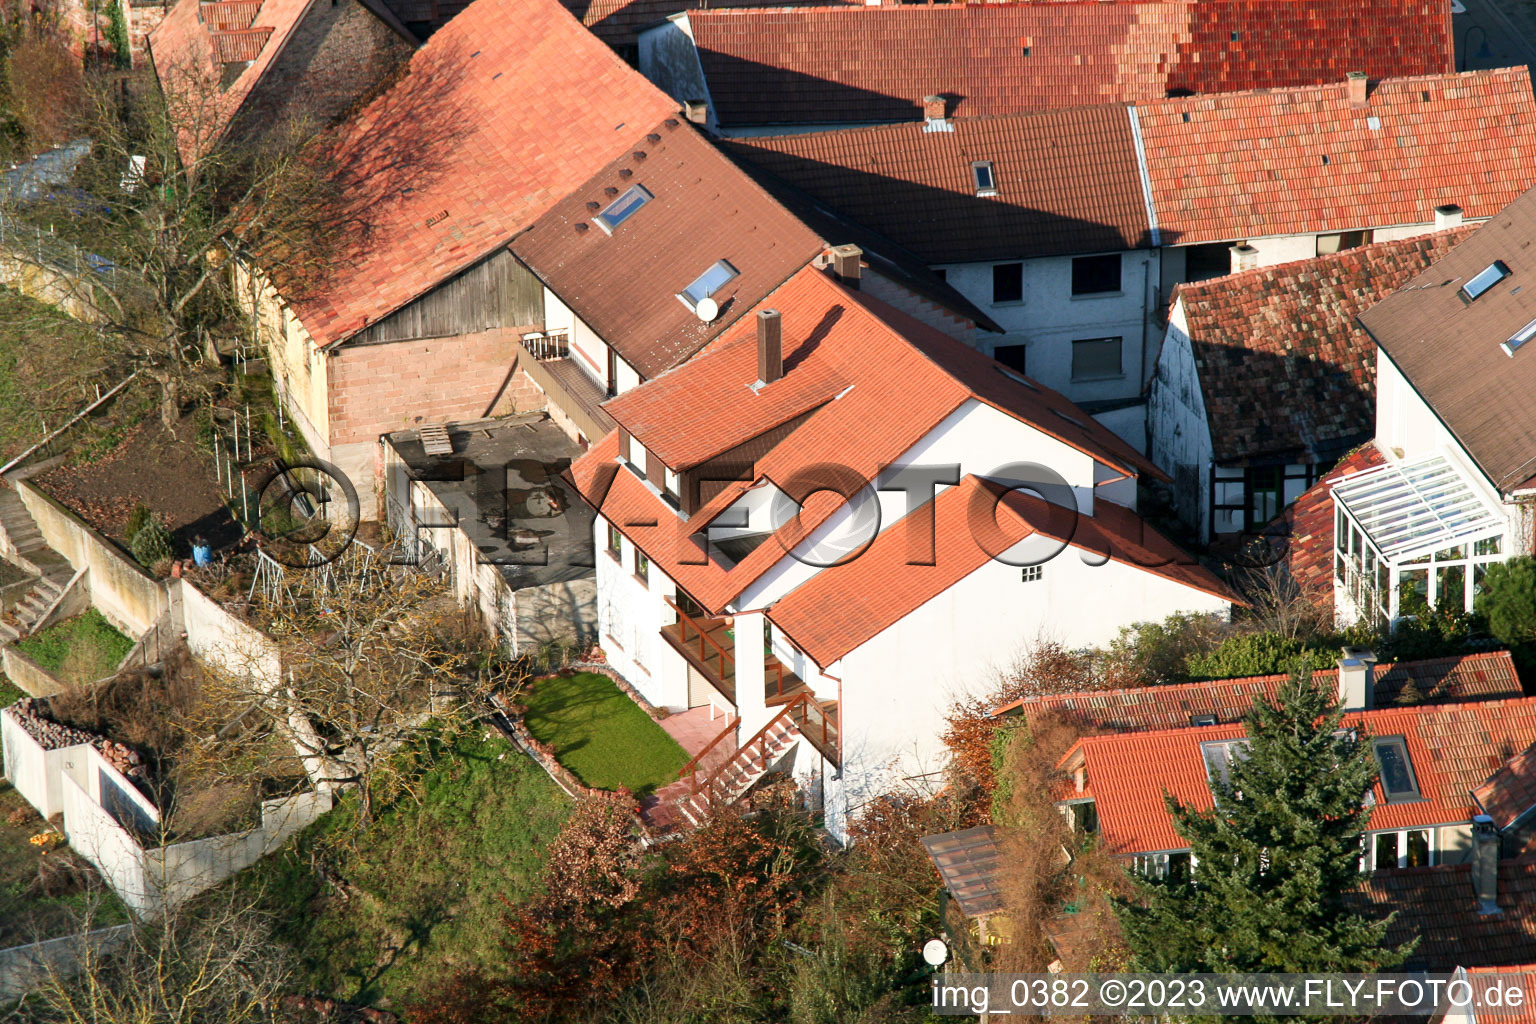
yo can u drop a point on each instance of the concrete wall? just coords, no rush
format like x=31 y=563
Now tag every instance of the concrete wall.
x=218 y=638
x=120 y=590
x=73 y=600
x=28 y=674
x=1181 y=439
x=556 y=611
x=37 y=773
x=24 y=968
x=57 y=287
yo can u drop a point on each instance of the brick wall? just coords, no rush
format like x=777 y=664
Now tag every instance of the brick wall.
x=375 y=389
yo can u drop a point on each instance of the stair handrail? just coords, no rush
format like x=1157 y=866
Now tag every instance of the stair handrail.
x=760 y=737
x=682 y=617
x=692 y=767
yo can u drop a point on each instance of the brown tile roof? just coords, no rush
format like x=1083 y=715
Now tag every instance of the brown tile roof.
x=703 y=209
x=1438 y=906
x=229 y=15
x=849 y=604
x=1509 y=793
x=1484 y=676
x=237 y=45
x=1297 y=161
x=1307 y=526
x=823 y=65
x=1283 y=366
x=498 y=117
x=879 y=381
x=1450 y=351
x=1452 y=748
x=968 y=863
x=1067 y=182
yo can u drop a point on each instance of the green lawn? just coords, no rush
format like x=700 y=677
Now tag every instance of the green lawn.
x=602 y=736
x=79 y=650
x=415 y=895
x=10 y=693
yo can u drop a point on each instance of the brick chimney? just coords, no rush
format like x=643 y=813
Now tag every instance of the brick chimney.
x=1447 y=216
x=1244 y=257
x=696 y=111
x=934 y=108
x=1485 y=865
x=1357 y=82
x=1357 y=679
x=770 y=347
x=847 y=264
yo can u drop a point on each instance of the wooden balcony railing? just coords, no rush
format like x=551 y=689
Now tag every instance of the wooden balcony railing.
x=803 y=712
x=543 y=347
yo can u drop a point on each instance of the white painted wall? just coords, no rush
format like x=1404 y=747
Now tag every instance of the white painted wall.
x=219 y=639
x=630 y=616
x=35 y=772
x=898 y=685
x=1050 y=317
x=587 y=347
x=1181 y=437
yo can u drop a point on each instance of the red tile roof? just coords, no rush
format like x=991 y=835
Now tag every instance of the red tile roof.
x=1509 y=792
x=1067 y=182
x=1439 y=906
x=1289 y=331
x=704 y=209
x=1482 y=676
x=192 y=43
x=499 y=116
x=1297 y=161
x=1308 y=527
x=846 y=605
x=879 y=381
x=618 y=22
x=1453 y=749
x=816 y=66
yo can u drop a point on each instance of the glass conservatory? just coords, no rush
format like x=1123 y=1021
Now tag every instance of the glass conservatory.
x=1411 y=536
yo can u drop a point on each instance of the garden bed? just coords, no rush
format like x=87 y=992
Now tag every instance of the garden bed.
x=602 y=736
x=80 y=650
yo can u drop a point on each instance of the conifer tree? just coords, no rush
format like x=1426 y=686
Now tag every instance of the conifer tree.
x=1275 y=859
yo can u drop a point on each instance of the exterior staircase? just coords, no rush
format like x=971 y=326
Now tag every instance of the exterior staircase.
x=698 y=798
x=21 y=618
x=33 y=554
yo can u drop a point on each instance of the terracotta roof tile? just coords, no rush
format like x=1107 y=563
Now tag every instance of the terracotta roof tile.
x=1439 y=906
x=896 y=378
x=821 y=65
x=1453 y=748
x=703 y=209
x=618 y=22
x=1510 y=793
x=1308 y=527
x=1067 y=182
x=846 y=605
x=1289 y=331
x=230 y=15
x=500 y=115
x=1483 y=676
x=237 y=45
x=1298 y=161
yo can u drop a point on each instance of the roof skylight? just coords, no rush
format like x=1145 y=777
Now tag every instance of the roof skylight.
x=707 y=283
x=1484 y=280
x=622 y=208
x=1519 y=338
x=1397 y=780
x=986 y=180
x=1017 y=378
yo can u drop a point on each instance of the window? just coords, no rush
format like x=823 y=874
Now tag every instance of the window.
x=1007 y=283
x=707 y=283
x=615 y=543
x=622 y=208
x=1031 y=573
x=1083 y=815
x=1386 y=851
x=1202 y=720
x=1397 y=780
x=1012 y=356
x=672 y=484
x=1341 y=242
x=634 y=455
x=1172 y=866
x=1096 y=359
x=1095 y=275
x=1411 y=848
x=1519 y=338
x=1219 y=755
x=642 y=568
x=1483 y=280
x=986 y=180
x=1203 y=262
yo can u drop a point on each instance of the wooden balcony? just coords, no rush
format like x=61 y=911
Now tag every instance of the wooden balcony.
x=568 y=386
x=709 y=645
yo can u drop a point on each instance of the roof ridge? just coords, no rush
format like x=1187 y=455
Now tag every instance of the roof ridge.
x=1240 y=94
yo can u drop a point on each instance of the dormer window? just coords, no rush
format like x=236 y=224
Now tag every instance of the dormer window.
x=985 y=179
x=1218 y=756
x=622 y=208
x=707 y=283
x=1483 y=280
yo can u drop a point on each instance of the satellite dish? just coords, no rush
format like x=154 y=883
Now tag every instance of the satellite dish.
x=707 y=309
x=935 y=952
